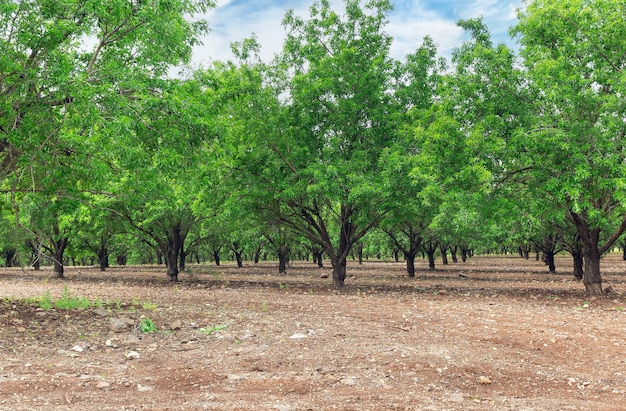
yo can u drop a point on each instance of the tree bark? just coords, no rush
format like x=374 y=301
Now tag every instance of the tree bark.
x=283 y=257
x=410 y=263
x=453 y=251
x=58 y=250
x=431 y=247
x=549 y=260
x=216 y=256
x=444 y=254
x=339 y=271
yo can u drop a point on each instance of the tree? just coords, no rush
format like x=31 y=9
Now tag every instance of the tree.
x=577 y=144
x=339 y=118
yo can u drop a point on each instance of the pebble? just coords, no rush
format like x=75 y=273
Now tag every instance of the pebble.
x=117 y=325
x=348 y=381
x=132 y=355
x=103 y=384
x=176 y=325
x=101 y=312
x=484 y=380
x=77 y=348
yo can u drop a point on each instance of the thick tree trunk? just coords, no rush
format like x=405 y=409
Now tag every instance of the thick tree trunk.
x=463 y=254
x=431 y=260
x=339 y=271
x=171 y=261
x=410 y=263
x=549 y=260
x=216 y=257
x=58 y=249
x=103 y=259
x=283 y=258
x=9 y=256
x=431 y=248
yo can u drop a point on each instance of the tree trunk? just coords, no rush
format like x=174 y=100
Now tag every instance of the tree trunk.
x=444 y=254
x=257 y=254
x=339 y=271
x=410 y=263
x=453 y=251
x=431 y=247
x=9 y=256
x=121 y=258
x=170 y=248
x=283 y=257
x=590 y=238
x=58 y=249
x=171 y=261
x=317 y=257
x=431 y=260
x=549 y=260
x=463 y=254
x=103 y=259
x=359 y=252
x=216 y=256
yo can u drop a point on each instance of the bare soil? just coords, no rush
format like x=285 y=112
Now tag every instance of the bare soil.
x=494 y=333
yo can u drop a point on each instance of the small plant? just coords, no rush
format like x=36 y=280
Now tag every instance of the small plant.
x=212 y=330
x=264 y=306
x=45 y=301
x=149 y=306
x=146 y=325
x=283 y=286
x=68 y=301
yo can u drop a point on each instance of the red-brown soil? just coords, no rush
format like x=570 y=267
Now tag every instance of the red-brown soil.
x=494 y=333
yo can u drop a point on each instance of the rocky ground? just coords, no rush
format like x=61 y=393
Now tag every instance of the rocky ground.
x=488 y=334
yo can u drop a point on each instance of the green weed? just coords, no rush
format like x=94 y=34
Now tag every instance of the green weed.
x=212 y=330
x=146 y=325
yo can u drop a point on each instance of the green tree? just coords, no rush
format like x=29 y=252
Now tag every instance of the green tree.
x=340 y=117
x=577 y=144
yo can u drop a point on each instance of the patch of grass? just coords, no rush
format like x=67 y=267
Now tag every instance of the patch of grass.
x=69 y=301
x=212 y=330
x=146 y=325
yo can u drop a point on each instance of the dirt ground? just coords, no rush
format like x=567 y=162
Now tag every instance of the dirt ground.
x=488 y=334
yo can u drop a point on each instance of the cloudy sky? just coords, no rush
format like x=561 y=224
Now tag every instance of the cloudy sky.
x=411 y=20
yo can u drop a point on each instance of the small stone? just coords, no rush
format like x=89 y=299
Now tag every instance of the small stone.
x=348 y=381
x=143 y=388
x=132 y=339
x=77 y=348
x=41 y=314
x=324 y=276
x=117 y=326
x=100 y=312
x=484 y=380
x=297 y=336
x=176 y=325
x=132 y=355
x=103 y=384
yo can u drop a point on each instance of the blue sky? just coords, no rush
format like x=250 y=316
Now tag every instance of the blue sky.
x=411 y=20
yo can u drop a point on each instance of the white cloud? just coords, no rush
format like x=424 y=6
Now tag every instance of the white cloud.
x=234 y=20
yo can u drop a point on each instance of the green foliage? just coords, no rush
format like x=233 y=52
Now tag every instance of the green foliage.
x=146 y=325
x=212 y=330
